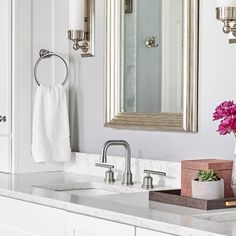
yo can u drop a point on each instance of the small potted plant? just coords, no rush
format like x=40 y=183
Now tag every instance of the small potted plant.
x=208 y=185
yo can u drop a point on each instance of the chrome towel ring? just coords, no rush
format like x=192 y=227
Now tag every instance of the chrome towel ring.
x=47 y=54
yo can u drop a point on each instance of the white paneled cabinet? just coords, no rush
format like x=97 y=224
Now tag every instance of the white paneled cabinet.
x=145 y=232
x=5 y=153
x=19 y=218
x=5 y=86
x=5 y=67
x=80 y=225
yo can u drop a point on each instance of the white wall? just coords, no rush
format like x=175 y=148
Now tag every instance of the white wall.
x=217 y=83
x=36 y=24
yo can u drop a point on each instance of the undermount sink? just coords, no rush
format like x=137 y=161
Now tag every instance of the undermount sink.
x=88 y=192
x=88 y=188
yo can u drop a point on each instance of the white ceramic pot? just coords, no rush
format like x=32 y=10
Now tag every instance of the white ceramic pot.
x=208 y=190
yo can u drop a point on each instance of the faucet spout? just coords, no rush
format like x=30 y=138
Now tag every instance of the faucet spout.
x=127 y=175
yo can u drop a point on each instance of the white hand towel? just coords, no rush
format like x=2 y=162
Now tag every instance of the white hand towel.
x=51 y=138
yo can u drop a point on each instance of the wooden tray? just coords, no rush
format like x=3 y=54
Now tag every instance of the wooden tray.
x=173 y=197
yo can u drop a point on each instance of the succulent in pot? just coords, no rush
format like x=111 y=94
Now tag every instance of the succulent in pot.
x=208 y=185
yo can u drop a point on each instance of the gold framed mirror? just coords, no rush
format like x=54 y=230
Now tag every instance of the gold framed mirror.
x=137 y=56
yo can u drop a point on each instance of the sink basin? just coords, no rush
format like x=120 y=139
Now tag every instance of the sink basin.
x=88 y=192
x=89 y=188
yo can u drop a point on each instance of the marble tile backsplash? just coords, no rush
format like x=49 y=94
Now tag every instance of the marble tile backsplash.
x=85 y=164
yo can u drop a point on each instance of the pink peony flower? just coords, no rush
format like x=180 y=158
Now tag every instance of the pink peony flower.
x=226 y=112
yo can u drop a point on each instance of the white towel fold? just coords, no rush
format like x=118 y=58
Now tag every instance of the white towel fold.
x=51 y=137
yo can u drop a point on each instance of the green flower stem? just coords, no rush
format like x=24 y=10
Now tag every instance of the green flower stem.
x=234 y=134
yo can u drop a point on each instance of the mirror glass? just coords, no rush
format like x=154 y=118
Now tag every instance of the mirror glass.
x=151 y=64
x=153 y=56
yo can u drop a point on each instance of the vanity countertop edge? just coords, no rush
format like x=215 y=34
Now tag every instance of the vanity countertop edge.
x=128 y=208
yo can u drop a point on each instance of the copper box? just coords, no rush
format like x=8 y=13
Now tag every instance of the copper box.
x=190 y=168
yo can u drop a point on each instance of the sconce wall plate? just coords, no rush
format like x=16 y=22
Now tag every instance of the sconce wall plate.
x=228 y=16
x=85 y=40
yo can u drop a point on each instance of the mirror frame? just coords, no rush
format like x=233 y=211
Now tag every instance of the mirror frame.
x=114 y=42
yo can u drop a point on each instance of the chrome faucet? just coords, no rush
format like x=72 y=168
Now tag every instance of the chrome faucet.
x=127 y=175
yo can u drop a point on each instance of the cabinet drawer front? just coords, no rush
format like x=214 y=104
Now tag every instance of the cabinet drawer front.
x=80 y=225
x=13 y=232
x=32 y=210
x=142 y=232
x=26 y=219
x=5 y=154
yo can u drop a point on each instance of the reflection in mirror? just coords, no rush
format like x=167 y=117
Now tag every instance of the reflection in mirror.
x=151 y=64
x=153 y=56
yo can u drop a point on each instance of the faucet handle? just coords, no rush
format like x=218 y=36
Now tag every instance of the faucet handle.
x=148 y=180
x=104 y=165
x=109 y=175
x=153 y=172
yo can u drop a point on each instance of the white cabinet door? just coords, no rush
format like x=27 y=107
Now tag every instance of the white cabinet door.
x=19 y=218
x=5 y=67
x=5 y=86
x=80 y=225
x=145 y=232
x=5 y=154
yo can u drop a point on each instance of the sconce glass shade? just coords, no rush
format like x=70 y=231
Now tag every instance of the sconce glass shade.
x=226 y=3
x=76 y=15
x=81 y=27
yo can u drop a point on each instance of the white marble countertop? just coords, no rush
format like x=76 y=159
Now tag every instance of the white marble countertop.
x=131 y=207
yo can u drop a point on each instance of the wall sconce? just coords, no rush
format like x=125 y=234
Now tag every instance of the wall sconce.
x=226 y=12
x=81 y=26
